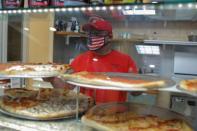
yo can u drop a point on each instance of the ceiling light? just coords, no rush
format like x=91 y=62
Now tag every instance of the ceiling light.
x=180 y=5
x=26 y=29
x=154 y=2
x=127 y=7
x=90 y=8
x=24 y=11
x=70 y=9
x=34 y=10
x=40 y=10
x=63 y=9
x=29 y=11
x=46 y=10
x=119 y=7
x=97 y=8
x=152 y=66
x=76 y=9
x=111 y=8
x=52 y=29
x=83 y=8
x=148 y=50
x=190 y=5
x=104 y=8
x=51 y=10
x=57 y=10
x=9 y=11
x=138 y=12
x=19 y=11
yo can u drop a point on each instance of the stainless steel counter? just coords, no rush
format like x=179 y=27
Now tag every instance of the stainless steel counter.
x=27 y=125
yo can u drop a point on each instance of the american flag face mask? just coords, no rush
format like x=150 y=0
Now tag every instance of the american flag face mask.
x=96 y=42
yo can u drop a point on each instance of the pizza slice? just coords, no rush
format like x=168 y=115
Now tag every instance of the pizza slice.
x=134 y=123
x=189 y=85
x=33 y=69
x=17 y=93
x=60 y=103
x=96 y=78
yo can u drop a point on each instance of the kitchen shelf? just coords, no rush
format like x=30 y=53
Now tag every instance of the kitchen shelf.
x=76 y=34
x=132 y=40
x=165 y=42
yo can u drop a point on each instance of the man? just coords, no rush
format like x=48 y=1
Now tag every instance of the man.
x=102 y=58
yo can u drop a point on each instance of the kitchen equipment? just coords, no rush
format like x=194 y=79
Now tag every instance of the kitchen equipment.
x=192 y=38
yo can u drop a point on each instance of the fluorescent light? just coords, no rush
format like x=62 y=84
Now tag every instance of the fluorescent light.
x=97 y=8
x=190 y=5
x=90 y=8
x=148 y=50
x=104 y=8
x=26 y=29
x=180 y=5
x=119 y=7
x=154 y=2
x=83 y=8
x=52 y=29
x=63 y=9
x=152 y=66
x=139 y=12
x=111 y=8
x=76 y=9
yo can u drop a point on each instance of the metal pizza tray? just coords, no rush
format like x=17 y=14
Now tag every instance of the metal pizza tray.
x=35 y=118
x=186 y=91
x=141 y=110
x=26 y=76
x=168 y=82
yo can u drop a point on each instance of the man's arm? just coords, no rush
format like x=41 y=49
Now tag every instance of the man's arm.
x=58 y=83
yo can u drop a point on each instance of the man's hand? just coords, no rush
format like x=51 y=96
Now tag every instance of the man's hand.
x=58 y=83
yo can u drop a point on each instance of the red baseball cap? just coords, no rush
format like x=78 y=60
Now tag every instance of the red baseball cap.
x=98 y=24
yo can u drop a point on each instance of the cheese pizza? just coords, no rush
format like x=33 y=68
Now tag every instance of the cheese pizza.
x=33 y=69
x=124 y=120
x=43 y=104
x=96 y=78
x=189 y=85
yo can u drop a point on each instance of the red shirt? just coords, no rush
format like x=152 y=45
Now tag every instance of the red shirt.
x=113 y=62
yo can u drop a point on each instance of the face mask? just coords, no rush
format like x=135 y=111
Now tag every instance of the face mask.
x=96 y=42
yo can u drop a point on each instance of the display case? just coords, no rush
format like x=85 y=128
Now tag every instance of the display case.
x=156 y=35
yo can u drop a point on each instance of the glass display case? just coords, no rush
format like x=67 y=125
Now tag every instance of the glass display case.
x=159 y=36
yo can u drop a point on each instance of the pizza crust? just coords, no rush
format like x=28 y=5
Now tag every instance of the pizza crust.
x=43 y=109
x=189 y=85
x=143 y=124
x=34 y=69
x=102 y=79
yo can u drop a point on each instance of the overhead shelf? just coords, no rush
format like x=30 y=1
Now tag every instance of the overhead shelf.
x=164 y=42
x=132 y=40
x=74 y=34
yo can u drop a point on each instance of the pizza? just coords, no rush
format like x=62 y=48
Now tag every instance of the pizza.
x=33 y=69
x=189 y=85
x=96 y=78
x=43 y=104
x=121 y=119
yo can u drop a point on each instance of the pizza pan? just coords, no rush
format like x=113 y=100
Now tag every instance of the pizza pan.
x=140 y=109
x=186 y=91
x=34 y=118
x=168 y=82
x=26 y=76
